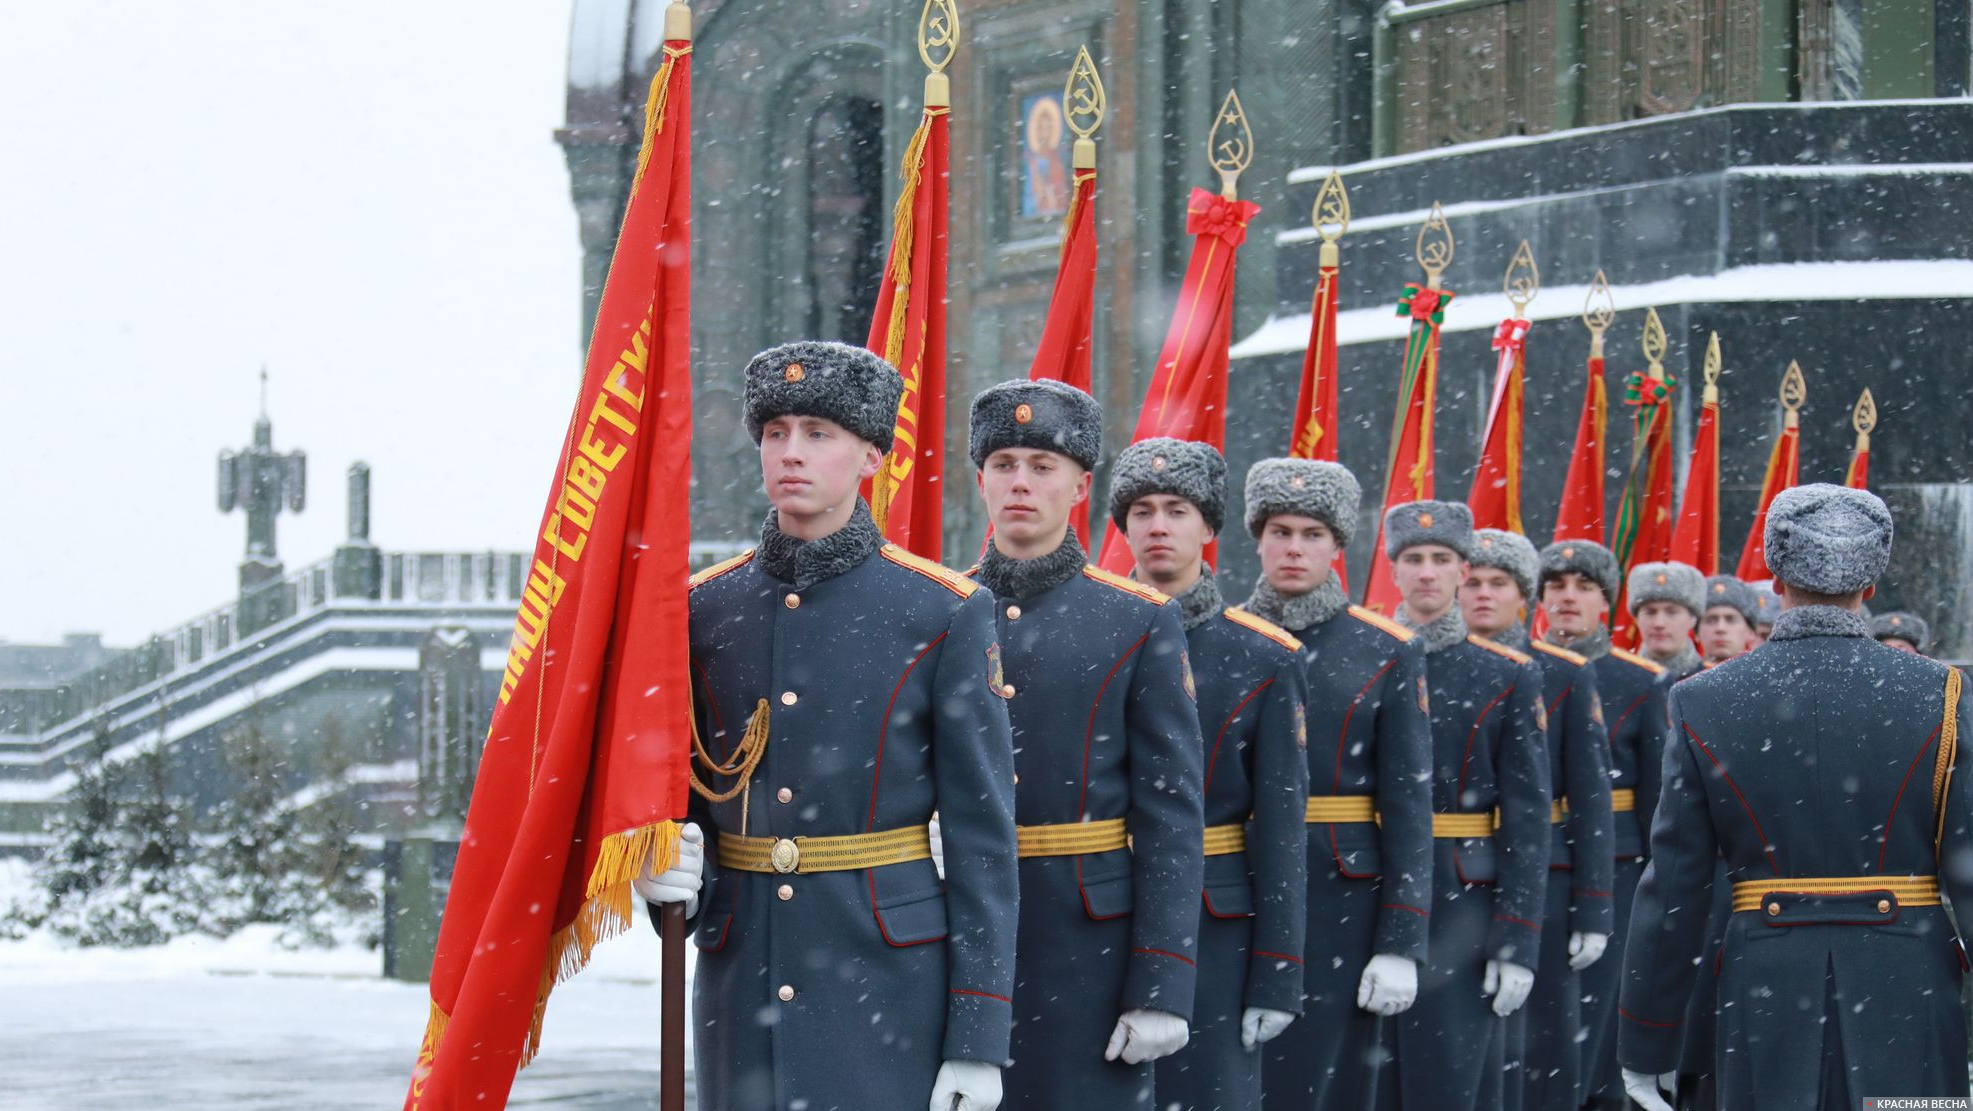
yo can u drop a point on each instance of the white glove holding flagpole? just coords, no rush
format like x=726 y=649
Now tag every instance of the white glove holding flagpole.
x=966 y=1086
x=1146 y=1035
x=679 y=883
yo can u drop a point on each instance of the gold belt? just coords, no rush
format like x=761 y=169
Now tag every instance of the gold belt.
x=1341 y=809
x=1226 y=840
x=1622 y=799
x=802 y=855
x=1911 y=891
x=1558 y=810
x=1465 y=825
x=1071 y=838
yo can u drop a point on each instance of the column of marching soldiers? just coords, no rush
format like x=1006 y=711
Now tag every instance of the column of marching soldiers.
x=1042 y=836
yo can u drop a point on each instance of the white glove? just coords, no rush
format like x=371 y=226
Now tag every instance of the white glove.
x=1644 y=1089
x=681 y=882
x=1389 y=984
x=1146 y=1035
x=966 y=1086
x=938 y=845
x=1509 y=984
x=1586 y=949
x=1260 y=1024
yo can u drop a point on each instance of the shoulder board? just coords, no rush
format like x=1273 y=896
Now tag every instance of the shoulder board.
x=1500 y=650
x=1559 y=653
x=1264 y=627
x=937 y=572
x=972 y=572
x=1128 y=586
x=1379 y=621
x=720 y=568
x=1639 y=661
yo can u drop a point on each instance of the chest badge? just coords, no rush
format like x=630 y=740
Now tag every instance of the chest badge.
x=1301 y=725
x=1185 y=670
x=1424 y=699
x=996 y=675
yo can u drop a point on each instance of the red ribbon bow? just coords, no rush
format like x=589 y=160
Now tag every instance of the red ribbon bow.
x=1214 y=215
x=1424 y=304
x=1512 y=335
x=1643 y=391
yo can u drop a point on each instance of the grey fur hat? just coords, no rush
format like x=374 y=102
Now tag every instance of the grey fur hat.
x=1042 y=413
x=1449 y=523
x=1767 y=604
x=1667 y=582
x=1191 y=469
x=1587 y=558
x=1829 y=539
x=1725 y=590
x=1326 y=492
x=834 y=381
x=1901 y=626
x=1510 y=552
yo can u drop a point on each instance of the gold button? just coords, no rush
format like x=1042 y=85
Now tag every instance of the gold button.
x=1007 y=691
x=1773 y=909
x=794 y=601
x=1883 y=906
x=786 y=993
x=1013 y=613
x=787 y=698
x=785 y=891
x=784 y=795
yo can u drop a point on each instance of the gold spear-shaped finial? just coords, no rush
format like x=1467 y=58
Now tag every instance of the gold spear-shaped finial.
x=1085 y=105
x=678 y=22
x=1794 y=391
x=1331 y=217
x=1712 y=395
x=1864 y=419
x=1654 y=343
x=1599 y=310
x=938 y=41
x=1434 y=247
x=1230 y=145
x=1523 y=280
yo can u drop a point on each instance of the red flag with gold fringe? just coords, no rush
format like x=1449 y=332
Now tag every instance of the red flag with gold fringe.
x=1408 y=468
x=1696 y=540
x=584 y=771
x=1312 y=433
x=1580 y=516
x=1187 y=396
x=1643 y=530
x=1864 y=419
x=1496 y=494
x=908 y=328
x=1784 y=469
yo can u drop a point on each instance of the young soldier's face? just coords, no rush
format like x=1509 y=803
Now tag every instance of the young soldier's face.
x=1428 y=575
x=1168 y=537
x=1665 y=626
x=1029 y=492
x=1296 y=553
x=1724 y=633
x=1573 y=603
x=812 y=468
x=1491 y=600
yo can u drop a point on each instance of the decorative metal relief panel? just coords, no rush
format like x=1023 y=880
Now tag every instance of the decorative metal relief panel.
x=1655 y=57
x=1477 y=73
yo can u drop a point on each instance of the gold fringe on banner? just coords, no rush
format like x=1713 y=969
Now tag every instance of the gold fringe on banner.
x=903 y=229
x=654 y=110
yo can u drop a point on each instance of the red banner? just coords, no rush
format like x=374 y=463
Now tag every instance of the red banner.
x=1784 y=469
x=1580 y=516
x=1644 y=515
x=1064 y=351
x=1858 y=476
x=1187 y=396
x=1408 y=470
x=1313 y=433
x=908 y=330
x=584 y=770
x=1496 y=495
x=1696 y=540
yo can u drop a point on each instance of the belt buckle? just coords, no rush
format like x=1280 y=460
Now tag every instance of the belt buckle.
x=785 y=856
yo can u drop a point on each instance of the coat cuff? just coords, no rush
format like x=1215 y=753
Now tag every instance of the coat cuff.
x=1592 y=912
x=1402 y=930
x=978 y=1026
x=1513 y=939
x=1648 y=1046
x=1274 y=981
x=1160 y=979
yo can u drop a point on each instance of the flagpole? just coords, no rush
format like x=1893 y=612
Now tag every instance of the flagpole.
x=1864 y=419
x=1495 y=498
x=1312 y=435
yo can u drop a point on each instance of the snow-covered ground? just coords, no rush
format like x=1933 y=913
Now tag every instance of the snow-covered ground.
x=243 y=1023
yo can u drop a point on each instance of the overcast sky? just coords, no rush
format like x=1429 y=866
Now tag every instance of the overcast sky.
x=363 y=195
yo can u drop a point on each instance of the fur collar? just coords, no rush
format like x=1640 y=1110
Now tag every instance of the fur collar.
x=1595 y=646
x=1298 y=612
x=1682 y=663
x=1817 y=621
x=1514 y=636
x=1201 y=602
x=1448 y=629
x=803 y=563
x=1013 y=578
